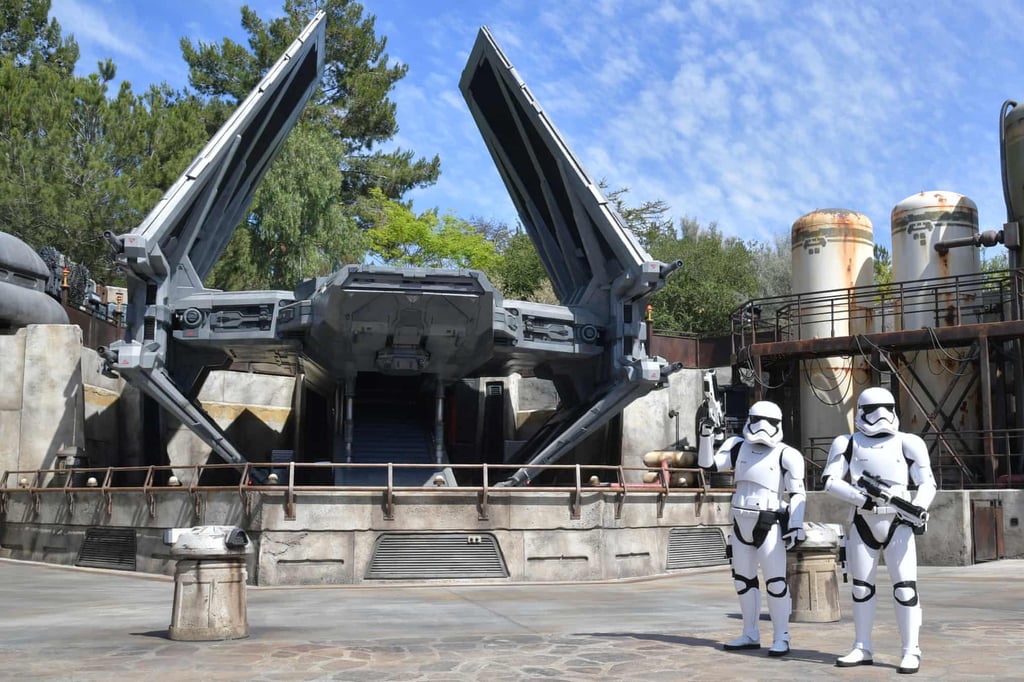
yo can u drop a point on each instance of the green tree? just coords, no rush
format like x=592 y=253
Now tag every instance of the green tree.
x=648 y=222
x=402 y=238
x=78 y=159
x=296 y=226
x=350 y=117
x=994 y=262
x=882 y=265
x=58 y=182
x=717 y=275
x=520 y=274
x=28 y=37
x=773 y=265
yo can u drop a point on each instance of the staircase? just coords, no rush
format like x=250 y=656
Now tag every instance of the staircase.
x=389 y=430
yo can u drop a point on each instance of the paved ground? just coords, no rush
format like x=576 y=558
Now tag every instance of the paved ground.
x=63 y=623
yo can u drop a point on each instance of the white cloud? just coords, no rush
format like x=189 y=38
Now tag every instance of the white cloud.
x=91 y=25
x=743 y=112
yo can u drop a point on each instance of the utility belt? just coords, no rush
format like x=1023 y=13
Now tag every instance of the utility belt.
x=883 y=509
x=765 y=521
x=757 y=502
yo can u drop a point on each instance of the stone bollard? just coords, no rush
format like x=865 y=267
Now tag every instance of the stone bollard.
x=813 y=581
x=209 y=583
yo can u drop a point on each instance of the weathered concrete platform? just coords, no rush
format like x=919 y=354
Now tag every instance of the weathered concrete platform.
x=65 y=623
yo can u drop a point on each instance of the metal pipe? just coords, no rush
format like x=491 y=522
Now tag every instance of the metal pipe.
x=439 y=422
x=349 y=426
x=20 y=307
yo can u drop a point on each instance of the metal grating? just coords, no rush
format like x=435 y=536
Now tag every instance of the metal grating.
x=691 y=547
x=108 y=548
x=436 y=556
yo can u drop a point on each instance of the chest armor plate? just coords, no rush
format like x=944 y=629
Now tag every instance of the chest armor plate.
x=882 y=457
x=759 y=464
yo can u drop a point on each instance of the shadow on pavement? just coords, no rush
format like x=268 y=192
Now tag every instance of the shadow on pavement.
x=808 y=655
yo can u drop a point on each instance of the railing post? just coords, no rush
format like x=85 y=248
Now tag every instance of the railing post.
x=389 y=495
x=482 y=511
x=577 y=495
x=289 y=496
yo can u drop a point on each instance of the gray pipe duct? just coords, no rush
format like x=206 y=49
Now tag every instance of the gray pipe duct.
x=23 y=278
x=20 y=307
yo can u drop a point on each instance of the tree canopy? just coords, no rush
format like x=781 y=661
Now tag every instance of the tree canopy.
x=309 y=212
x=78 y=159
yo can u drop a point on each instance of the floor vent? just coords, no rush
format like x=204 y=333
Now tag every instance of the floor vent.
x=436 y=556
x=691 y=547
x=108 y=548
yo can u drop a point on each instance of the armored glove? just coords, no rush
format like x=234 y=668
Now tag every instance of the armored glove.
x=793 y=537
x=707 y=427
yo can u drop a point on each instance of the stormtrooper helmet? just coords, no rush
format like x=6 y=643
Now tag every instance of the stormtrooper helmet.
x=876 y=413
x=764 y=424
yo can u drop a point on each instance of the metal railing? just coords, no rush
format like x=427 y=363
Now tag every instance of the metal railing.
x=938 y=302
x=1007 y=456
x=586 y=479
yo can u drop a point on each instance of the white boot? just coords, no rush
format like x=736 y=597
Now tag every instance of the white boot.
x=742 y=642
x=780 y=609
x=856 y=657
x=908 y=618
x=863 y=619
x=910 y=663
x=750 y=606
x=780 y=645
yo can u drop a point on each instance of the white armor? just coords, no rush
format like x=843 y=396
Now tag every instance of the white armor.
x=901 y=461
x=765 y=469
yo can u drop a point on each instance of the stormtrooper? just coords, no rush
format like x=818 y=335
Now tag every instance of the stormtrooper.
x=764 y=526
x=878 y=456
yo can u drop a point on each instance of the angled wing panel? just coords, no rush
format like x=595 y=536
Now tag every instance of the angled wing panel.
x=198 y=214
x=580 y=239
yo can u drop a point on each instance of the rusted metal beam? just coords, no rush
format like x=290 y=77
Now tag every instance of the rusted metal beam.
x=917 y=339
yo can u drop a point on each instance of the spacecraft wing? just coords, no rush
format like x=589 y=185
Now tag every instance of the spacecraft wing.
x=580 y=238
x=198 y=214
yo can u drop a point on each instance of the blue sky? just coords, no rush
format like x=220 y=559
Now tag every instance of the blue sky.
x=743 y=112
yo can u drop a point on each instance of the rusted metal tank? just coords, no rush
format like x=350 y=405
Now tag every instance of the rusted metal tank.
x=832 y=252
x=919 y=222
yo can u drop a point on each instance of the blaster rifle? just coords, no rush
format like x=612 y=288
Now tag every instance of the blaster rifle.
x=714 y=405
x=878 y=491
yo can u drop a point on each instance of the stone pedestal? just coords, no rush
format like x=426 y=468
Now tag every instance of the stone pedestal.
x=812 y=578
x=209 y=600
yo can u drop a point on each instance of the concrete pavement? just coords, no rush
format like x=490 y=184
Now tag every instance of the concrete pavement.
x=81 y=624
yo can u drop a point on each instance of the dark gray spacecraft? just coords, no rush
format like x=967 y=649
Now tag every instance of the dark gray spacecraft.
x=378 y=351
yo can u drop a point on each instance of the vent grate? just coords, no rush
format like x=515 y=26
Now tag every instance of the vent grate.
x=691 y=547
x=108 y=548
x=436 y=556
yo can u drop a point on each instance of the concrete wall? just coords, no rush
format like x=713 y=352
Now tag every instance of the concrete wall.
x=331 y=538
x=41 y=396
x=113 y=416
x=949 y=539
x=646 y=425
x=53 y=395
x=253 y=409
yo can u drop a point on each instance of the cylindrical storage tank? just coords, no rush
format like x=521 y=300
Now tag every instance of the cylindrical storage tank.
x=919 y=222
x=1012 y=134
x=832 y=252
